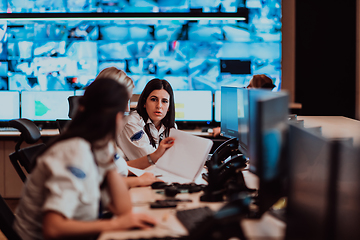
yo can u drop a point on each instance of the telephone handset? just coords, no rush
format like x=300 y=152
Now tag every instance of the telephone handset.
x=230 y=168
x=221 y=171
x=225 y=150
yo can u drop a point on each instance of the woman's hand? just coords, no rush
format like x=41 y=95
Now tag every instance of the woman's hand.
x=166 y=143
x=163 y=146
x=147 y=179
x=133 y=221
x=57 y=226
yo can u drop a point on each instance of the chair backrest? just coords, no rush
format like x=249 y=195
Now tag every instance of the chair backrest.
x=73 y=105
x=61 y=124
x=6 y=221
x=22 y=158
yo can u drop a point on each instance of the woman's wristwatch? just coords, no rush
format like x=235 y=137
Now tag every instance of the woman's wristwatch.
x=149 y=160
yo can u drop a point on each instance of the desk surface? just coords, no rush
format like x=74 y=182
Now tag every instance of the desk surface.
x=54 y=132
x=334 y=126
x=267 y=227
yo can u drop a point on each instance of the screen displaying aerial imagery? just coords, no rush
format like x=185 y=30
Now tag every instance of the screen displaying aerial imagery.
x=66 y=54
x=129 y=6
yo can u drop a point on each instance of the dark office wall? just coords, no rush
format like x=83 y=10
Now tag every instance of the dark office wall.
x=325 y=54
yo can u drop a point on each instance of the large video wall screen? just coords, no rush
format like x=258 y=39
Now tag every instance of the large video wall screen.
x=129 y=6
x=191 y=53
x=190 y=50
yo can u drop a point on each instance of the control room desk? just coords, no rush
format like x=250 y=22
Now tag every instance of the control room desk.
x=334 y=126
x=267 y=227
x=10 y=182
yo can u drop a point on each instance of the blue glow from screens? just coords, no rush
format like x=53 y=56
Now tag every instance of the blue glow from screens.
x=193 y=105
x=243 y=119
x=272 y=141
x=143 y=6
x=268 y=122
x=217 y=106
x=48 y=55
x=45 y=106
x=229 y=112
x=66 y=54
x=9 y=107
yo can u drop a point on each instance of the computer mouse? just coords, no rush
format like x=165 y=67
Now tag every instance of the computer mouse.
x=171 y=191
x=158 y=185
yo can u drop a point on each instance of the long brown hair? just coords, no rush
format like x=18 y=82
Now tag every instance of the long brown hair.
x=169 y=119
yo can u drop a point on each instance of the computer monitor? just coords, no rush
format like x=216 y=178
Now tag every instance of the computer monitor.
x=10 y=105
x=45 y=106
x=267 y=144
x=217 y=106
x=311 y=188
x=193 y=106
x=243 y=119
x=348 y=194
x=235 y=114
x=79 y=92
x=229 y=112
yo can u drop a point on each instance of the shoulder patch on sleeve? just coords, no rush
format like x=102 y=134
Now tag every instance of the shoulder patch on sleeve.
x=77 y=172
x=137 y=136
x=116 y=157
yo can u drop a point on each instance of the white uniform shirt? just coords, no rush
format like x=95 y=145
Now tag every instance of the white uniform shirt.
x=66 y=180
x=133 y=140
x=121 y=163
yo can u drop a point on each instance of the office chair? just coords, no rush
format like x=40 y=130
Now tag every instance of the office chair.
x=6 y=221
x=61 y=124
x=73 y=105
x=30 y=133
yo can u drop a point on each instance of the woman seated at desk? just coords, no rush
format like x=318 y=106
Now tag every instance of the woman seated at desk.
x=135 y=124
x=144 y=137
x=62 y=194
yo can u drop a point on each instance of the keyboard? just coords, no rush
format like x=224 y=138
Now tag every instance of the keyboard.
x=162 y=238
x=8 y=129
x=190 y=218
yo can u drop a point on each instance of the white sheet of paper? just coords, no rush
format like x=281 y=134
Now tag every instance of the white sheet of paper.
x=165 y=176
x=183 y=162
x=186 y=157
x=136 y=171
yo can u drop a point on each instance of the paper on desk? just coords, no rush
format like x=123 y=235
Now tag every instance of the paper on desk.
x=166 y=176
x=162 y=175
x=136 y=171
x=184 y=161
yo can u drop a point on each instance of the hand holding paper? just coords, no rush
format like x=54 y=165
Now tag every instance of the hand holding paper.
x=163 y=146
x=184 y=161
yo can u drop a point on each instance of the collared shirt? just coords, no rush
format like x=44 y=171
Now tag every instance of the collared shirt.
x=67 y=180
x=133 y=140
x=121 y=163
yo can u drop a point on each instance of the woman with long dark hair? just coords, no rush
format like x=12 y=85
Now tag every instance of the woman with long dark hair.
x=62 y=194
x=145 y=136
x=146 y=178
